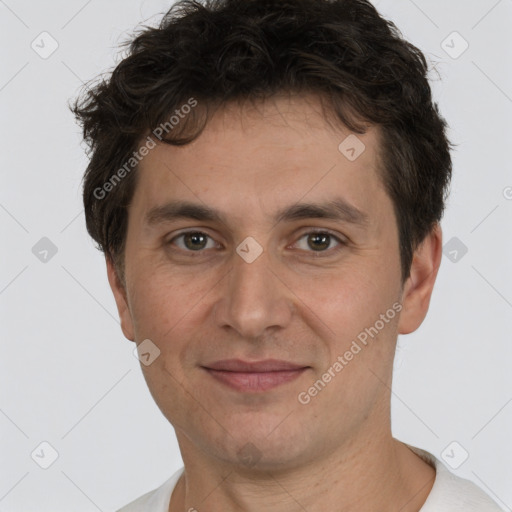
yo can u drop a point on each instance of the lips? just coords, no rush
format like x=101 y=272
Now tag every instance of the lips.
x=268 y=365
x=245 y=376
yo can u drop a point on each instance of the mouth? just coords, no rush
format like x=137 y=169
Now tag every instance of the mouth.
x=244 y=376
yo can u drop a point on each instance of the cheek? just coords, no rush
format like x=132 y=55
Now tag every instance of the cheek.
x=352 y=296
x=361 y=346
x=351 y=303
x=165 y=309
x=160 y=300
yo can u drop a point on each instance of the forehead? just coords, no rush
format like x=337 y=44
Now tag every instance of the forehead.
x=261 y=155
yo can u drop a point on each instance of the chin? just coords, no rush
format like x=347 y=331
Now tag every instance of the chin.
x=262 y=444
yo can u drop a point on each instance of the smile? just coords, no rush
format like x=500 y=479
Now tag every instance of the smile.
x=254 y=381
x=254 y=376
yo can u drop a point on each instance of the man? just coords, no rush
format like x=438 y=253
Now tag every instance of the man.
x=267 y=181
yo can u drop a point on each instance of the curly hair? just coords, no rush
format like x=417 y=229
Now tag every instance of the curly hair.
x=221 y=51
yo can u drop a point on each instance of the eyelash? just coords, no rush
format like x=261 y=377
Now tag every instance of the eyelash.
x=341 y=242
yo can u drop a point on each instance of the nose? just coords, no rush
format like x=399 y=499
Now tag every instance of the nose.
x=254 y=298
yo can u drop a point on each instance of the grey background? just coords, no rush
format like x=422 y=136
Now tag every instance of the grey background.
x=69 y=378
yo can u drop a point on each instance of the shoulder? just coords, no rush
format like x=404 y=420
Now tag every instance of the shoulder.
x=457 y=494
x=451 y=493
x=156 y=500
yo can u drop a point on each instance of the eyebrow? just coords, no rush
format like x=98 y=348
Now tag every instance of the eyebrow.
x=336 y=209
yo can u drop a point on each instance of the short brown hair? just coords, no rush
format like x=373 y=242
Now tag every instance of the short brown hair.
x=221 y=51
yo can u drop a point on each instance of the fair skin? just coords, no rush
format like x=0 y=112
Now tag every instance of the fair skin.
x=301 y=300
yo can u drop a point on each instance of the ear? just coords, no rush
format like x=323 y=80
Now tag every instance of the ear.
x=120 y=296
x=420 y=283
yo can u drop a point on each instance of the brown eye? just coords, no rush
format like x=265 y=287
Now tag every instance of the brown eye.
x=192 y=241
x=320 y=241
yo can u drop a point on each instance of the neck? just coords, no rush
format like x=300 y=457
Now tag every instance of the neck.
x=382 y=474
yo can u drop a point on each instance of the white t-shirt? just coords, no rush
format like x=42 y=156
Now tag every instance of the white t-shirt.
x=449 y=493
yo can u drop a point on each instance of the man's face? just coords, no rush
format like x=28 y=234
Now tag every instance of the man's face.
x=303 y=300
